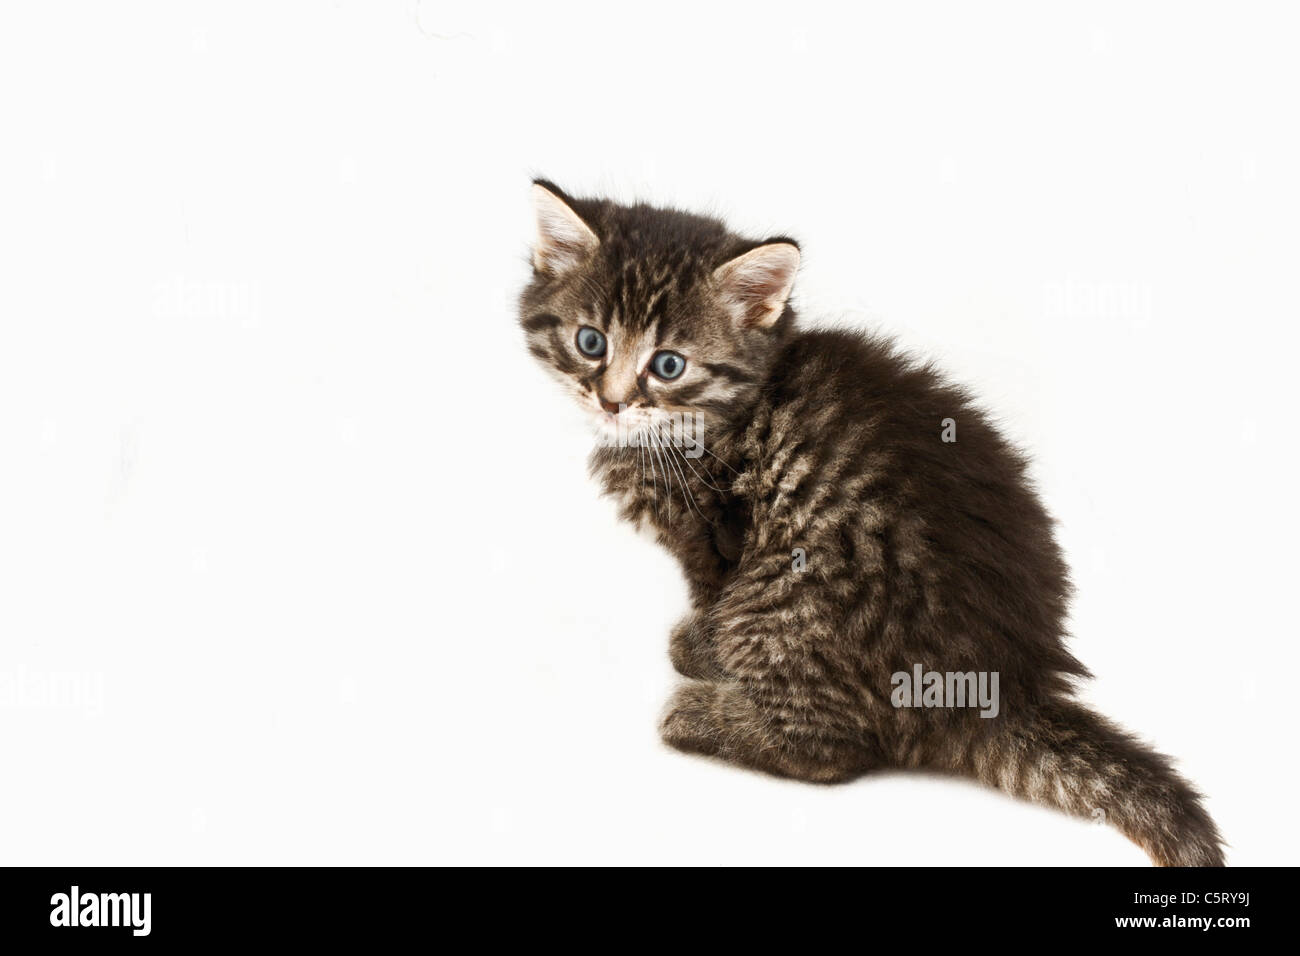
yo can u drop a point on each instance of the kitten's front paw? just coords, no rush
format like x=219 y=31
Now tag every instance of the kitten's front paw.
x=688 y=723
x=690 y=650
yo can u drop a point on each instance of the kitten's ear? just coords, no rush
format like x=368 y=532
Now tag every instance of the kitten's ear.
x=563 y=239
x=755 y=286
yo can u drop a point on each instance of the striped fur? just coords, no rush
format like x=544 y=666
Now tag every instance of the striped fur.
x=918 y=551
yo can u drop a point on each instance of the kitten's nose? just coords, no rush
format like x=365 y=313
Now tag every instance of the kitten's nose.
x=611 y=407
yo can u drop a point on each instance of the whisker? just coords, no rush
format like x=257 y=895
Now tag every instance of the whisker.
x=654 y=477
x=704 y=481
x=688 y=498
x=724 y=463
x=668 y=484
x=640 y=457
x=675 y=455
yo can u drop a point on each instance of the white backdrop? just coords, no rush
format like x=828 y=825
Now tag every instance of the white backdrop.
x=296 y=543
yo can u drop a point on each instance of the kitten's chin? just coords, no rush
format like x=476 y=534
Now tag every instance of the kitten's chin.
x=607 y=425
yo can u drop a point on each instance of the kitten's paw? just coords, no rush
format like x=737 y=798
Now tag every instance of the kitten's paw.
x=689 y=723
x=690 y=651
x=720 y=719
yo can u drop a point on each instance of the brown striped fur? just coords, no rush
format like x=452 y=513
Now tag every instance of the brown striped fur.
x=918 y=551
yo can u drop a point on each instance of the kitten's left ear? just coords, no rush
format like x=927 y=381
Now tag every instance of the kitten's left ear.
x=563 y=239
x=755 y=286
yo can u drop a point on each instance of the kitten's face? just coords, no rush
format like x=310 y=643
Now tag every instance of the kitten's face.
x=648 y=316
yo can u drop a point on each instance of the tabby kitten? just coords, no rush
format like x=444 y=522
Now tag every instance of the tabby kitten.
x=832 y=539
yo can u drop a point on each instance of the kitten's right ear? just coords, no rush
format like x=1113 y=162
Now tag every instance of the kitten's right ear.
x=564 y=241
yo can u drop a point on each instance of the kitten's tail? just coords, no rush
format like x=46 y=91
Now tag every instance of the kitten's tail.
x=1073 y=759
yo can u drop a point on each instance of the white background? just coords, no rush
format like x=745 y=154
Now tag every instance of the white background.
x=299 y=562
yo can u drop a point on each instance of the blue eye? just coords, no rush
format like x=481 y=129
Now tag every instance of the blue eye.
x=667 y=365
x=591 y=342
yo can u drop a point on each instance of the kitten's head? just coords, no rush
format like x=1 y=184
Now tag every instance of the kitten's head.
x=646 y=314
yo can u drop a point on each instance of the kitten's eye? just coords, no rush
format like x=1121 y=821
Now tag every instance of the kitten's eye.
x=591 y=342
x=667 y=365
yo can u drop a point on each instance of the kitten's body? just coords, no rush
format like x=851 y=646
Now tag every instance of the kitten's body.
x=911 y=550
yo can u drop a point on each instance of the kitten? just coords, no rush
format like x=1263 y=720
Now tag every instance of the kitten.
x=837 y=542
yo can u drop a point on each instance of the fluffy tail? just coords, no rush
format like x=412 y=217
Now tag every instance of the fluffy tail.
x=1075 y=760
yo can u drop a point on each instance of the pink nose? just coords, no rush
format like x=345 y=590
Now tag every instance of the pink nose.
x=611 y=407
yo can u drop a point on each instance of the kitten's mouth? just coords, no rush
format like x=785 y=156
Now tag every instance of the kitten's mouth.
x=624 y=426
x=630 y=420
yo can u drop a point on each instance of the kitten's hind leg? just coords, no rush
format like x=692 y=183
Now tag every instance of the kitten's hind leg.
x=724 y=719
